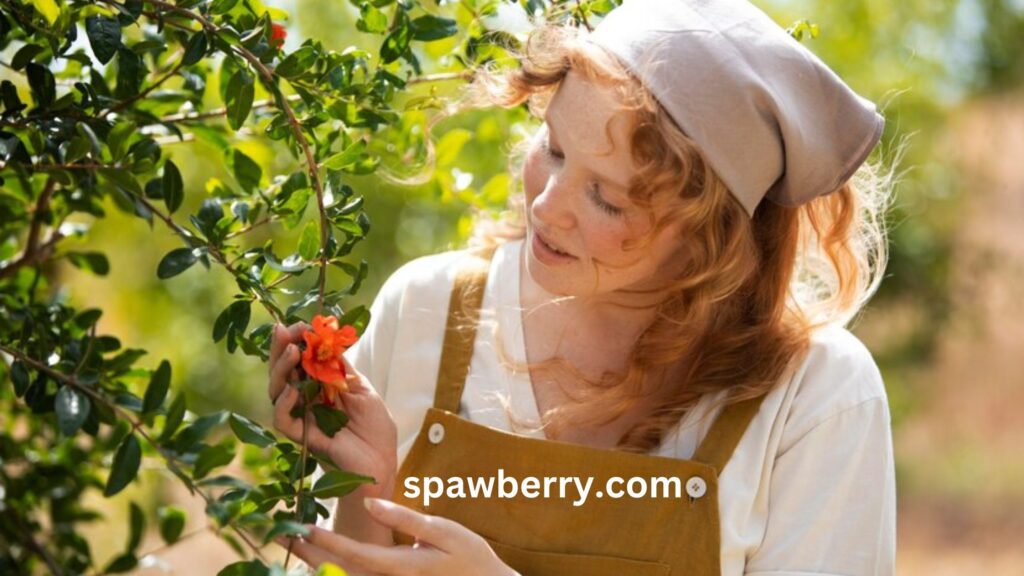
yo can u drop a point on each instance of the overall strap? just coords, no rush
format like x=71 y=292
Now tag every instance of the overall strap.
x=460 y=330
x=725 y=433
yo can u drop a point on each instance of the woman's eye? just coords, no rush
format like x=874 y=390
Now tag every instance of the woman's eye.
x=595 y=192
x=595 y=195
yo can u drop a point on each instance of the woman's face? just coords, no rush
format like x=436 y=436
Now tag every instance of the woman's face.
x=577 y=200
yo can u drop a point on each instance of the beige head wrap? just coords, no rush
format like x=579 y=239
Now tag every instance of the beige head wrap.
x=771 y=118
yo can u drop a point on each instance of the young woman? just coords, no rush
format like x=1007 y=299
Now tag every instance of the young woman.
x=666 y=299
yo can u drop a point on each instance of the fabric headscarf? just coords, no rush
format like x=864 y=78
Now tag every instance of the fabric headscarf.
x=771 y=118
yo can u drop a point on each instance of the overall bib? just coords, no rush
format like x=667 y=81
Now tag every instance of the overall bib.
x=626 y=536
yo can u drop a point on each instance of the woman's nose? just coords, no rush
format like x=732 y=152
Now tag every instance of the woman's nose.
x=555 y=204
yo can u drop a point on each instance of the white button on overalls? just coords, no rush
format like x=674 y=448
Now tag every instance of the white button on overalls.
x=436 y=433
x=696 y=487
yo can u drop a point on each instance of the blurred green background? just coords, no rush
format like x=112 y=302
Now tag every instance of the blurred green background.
x=947 y=326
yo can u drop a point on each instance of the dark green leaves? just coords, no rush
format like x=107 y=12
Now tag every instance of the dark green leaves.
x=250 y=432
x=338 y=483
x=131 y=71
x=72 y=409
x=246 y=170
x=297 y=62
x=397 y=42
x=42 y=83
x=125 y=466
x=173 y=187
x=172 y=522
x=328 y=419
x=175 y=262
x=175 y=415
x=95 y=262
x=285 y=528
x=238 y=98
x=156 y=392
x=213 y=457
x=104 y=36
x=234 y=318
x=195 y=49
x=430 y=27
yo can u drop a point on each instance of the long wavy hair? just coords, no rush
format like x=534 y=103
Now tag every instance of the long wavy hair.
x=752 y=291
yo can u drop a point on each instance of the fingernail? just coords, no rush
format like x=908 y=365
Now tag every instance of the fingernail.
x=372 y=504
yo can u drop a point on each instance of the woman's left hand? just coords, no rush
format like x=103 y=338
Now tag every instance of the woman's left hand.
x=443 y=547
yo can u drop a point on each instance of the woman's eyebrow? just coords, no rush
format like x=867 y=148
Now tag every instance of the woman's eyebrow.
x=603 y=177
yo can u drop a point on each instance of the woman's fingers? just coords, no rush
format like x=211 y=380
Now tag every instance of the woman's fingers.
x=371 y=557
x=282 y=336
x=280 y=373
x=283 y=420
x=434 y=530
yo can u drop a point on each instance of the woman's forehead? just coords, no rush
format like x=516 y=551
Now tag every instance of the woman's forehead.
x=590 y=118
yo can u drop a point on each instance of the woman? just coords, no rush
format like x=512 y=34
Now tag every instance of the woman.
x=666 y=300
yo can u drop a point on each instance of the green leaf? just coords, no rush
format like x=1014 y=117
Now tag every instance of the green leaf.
x=430 y=27
x=234 y=318
x=175 y=262
x=328 y=419
x=122 y=563
x=222 y=6
x=198 y=430
x=372 y=20
x=42 y=83
x=156 y=392
x=131 y=72
x=250 y=432
x=338 y=483
x=172 y=522
x=196 y=49
x=245 y=568
x=397 y=42
x=175 y=415
x=309 y=242
x=246 y=170
x=95 y=262
x=346 y=157
x=125 y=465
x=286 y=528
x=297 y=63
x=104 y=36
x=72 y=409
x=212 y=457
x=173 y=187
x=49 y=9
x=137 y=524
x=239 y=97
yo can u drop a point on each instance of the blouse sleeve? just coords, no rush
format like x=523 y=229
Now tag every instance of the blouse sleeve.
x=832 y=501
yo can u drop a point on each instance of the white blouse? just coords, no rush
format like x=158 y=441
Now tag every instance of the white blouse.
x=809 y=490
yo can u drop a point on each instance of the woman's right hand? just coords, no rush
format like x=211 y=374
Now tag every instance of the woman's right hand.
x=368 y=442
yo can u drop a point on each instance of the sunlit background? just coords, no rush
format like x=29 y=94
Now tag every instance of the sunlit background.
x=947 y=327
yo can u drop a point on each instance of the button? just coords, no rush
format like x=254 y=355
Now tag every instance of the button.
x=696 y=487
x=436 y=433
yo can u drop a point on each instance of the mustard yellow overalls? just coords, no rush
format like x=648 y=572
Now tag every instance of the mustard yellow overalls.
x=552 y=537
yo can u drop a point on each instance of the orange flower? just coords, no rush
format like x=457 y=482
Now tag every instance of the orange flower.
x=277 y=35
x=321 y=359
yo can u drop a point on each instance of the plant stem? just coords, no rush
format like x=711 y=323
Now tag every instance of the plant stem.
x=302 y=476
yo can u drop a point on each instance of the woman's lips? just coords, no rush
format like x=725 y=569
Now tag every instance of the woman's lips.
x=549 y=254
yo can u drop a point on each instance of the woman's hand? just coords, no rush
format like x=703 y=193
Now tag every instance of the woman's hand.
x=366 y=445
x=443 y=547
